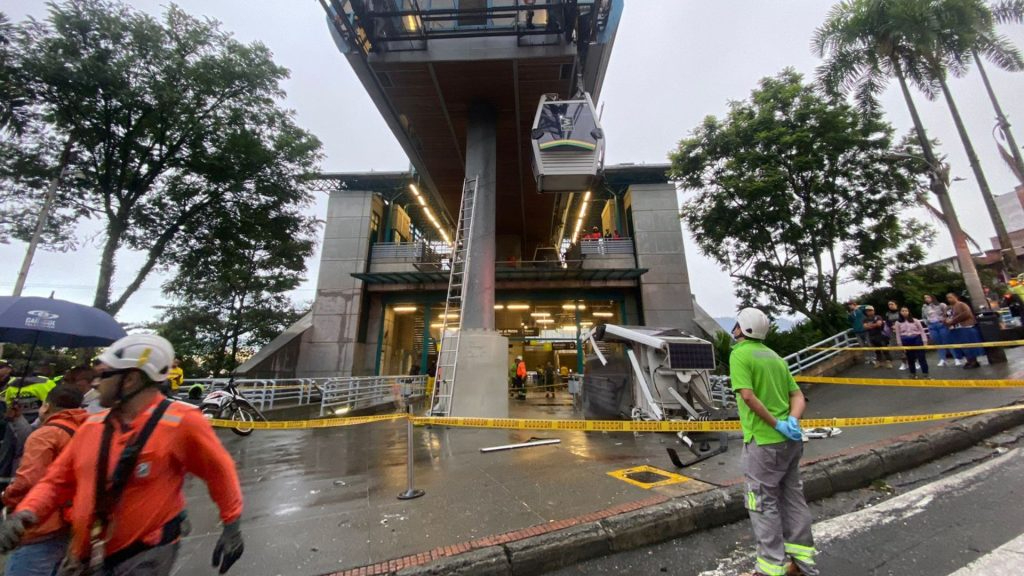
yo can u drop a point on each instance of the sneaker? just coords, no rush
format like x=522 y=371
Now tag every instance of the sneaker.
x=903 y=365
x=958 y=362
x=888 y=364
x=942 y=362
x=972 y=365
x=925 y=377
x=913 y=376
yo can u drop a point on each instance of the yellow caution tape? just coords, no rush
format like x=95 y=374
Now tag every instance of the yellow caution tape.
x=928 y=347
x=911 y=383
x=687 y=426
x=911 y=419
x=601 y=425
x=304 y=424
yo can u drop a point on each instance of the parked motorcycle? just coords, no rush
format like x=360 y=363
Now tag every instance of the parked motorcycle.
x=229 y=404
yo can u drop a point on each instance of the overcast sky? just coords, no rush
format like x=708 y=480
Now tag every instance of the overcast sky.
x=674 y=62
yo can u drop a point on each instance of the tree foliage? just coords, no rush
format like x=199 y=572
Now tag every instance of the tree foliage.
x=172 y=122
x=796 y=193
x=230 y=290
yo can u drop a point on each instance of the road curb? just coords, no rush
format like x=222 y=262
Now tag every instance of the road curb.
x=556 y=545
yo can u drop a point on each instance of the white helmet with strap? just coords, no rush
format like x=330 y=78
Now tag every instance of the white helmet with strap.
x=149 y=353
x=753 y=323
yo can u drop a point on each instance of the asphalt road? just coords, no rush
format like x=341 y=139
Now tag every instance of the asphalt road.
x=959 y=516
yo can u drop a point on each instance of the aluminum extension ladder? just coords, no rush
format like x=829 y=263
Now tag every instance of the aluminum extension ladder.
x=448 y=355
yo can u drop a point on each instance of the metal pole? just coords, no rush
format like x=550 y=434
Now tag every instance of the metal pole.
x=410 y=492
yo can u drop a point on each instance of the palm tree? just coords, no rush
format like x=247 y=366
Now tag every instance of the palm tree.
x=948 y=34
x=864 y=43
x=1005 y=11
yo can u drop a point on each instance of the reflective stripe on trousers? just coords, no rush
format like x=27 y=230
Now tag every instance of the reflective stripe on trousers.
x=778 y=510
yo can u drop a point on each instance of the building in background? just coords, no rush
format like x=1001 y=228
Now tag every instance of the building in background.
x=458 y=83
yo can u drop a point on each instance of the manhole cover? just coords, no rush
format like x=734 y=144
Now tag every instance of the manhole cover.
x=647 y=477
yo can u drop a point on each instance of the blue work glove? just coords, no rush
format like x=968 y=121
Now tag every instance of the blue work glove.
x=787 y=430
x=794 y=422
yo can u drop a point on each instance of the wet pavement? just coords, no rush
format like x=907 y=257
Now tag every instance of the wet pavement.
x=318 y=501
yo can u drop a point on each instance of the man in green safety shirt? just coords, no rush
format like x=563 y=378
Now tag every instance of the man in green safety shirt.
x=770 y=407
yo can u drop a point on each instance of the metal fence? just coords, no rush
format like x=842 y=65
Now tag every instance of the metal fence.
x=342 y=395
x=334 y=395
x=418 y=251
x=607 y=246
x=804 y=359
x=265 y=394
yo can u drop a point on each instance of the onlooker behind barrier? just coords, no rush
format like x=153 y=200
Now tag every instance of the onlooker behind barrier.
x=912 y=332
x=963 y=329
x=892 y=316
x=16 y=431
x=6 y=373
x=856 y=317
x=934 y=313
x=875 y=325
x=175 y=377
x=83 y=379
x=44 y=545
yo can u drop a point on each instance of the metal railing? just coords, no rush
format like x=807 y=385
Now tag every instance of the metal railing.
x=607 y=246
x=418 y=251
x=332 y=394
x=803 y=359
x=342 y=395
x=265 y=394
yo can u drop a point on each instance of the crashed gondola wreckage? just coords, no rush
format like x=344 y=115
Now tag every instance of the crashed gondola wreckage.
x=648 y=373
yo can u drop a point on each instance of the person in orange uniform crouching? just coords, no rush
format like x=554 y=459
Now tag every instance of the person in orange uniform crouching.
x=127 y=515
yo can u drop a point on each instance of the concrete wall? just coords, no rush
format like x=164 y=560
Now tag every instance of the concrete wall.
x=665 y=294
x=330 y=347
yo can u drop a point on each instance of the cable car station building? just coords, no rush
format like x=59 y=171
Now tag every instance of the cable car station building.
x=495 y=96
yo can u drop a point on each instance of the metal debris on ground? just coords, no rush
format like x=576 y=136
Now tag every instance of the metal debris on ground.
x=530 y=444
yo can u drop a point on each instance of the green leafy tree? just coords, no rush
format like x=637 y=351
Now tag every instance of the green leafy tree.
x=796 y=193
x=172 y=122
x=231 y=291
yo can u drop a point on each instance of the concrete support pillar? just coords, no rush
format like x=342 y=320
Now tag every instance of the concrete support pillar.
x=481 y=387
x=481 y=153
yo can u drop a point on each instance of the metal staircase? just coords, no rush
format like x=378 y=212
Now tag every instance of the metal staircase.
x=448 y=355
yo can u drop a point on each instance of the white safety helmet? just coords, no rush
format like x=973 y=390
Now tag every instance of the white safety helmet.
x=149 y=353
x=753 y=323
x=518 y=358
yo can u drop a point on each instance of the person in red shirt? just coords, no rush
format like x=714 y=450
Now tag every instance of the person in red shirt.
x=127 y=501
x=43 y=546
